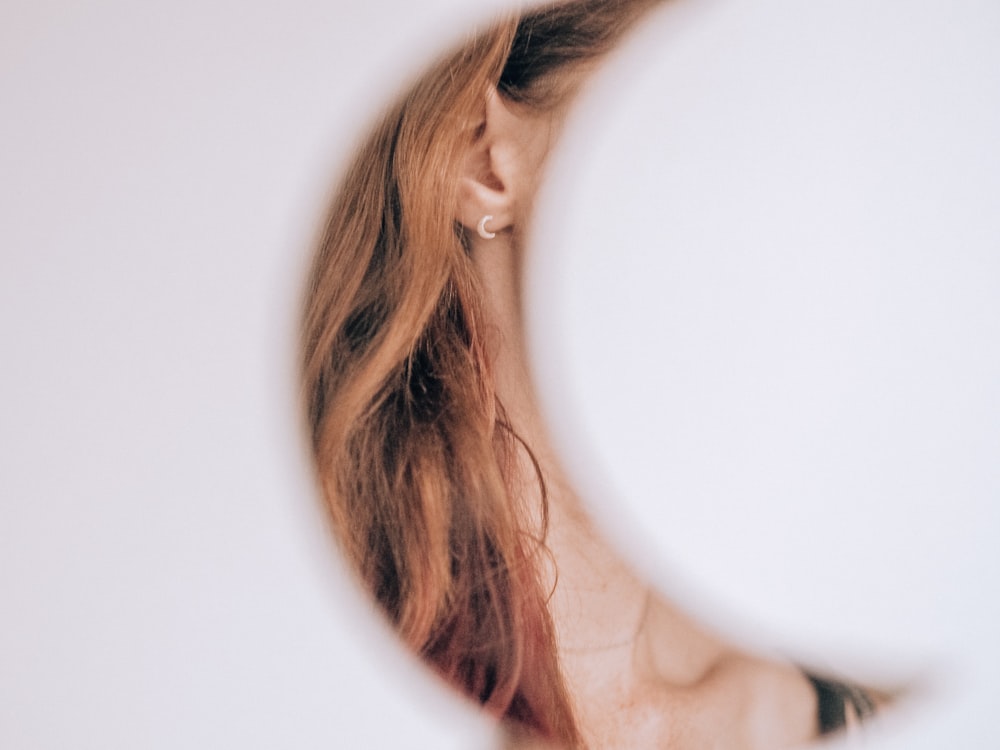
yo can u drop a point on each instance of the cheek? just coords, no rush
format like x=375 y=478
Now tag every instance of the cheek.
x=537 y=149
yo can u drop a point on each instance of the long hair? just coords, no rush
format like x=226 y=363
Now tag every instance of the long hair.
x=414 y=455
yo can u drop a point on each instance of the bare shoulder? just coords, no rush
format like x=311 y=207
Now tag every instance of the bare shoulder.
x=679 y=686
x=742 y=703
x=772 y=701
x=714 y=695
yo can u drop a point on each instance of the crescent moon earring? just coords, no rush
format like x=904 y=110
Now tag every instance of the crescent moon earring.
x=483 y=231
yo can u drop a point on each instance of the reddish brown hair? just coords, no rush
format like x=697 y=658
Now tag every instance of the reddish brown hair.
x=414 y=455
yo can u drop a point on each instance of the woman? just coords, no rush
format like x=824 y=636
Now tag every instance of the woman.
x=433 y=459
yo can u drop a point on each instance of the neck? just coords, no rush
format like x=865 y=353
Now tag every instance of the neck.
x=598 y=604
x=499 y=264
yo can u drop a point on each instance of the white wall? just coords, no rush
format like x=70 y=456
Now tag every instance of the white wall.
x=766 y=291
x=164 y=575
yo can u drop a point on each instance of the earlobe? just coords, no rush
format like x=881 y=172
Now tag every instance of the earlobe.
x=484 y=188
x=476 y=199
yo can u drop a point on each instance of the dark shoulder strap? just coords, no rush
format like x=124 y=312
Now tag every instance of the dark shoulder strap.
x=833 y=699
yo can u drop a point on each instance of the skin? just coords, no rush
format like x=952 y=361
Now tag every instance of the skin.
x=640 y=672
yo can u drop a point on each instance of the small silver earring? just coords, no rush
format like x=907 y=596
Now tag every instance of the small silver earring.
x=483 y=231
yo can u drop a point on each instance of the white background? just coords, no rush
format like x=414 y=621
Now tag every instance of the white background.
x=165 y=578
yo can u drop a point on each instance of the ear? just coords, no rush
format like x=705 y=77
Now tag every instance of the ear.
x=486 y=183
